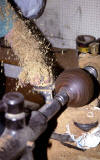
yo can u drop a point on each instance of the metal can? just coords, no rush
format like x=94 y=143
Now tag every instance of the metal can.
x=83 y=42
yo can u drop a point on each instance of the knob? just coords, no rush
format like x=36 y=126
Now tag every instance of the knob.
x=14 y=101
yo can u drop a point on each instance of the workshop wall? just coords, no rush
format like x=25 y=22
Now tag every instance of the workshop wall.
x=63 y=20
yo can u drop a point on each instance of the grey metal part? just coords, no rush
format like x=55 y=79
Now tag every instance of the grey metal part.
x=62 y=96
x=61 y=137
x=92 y=71
x=28 y=154
x=15 y=145
x=49 y=110
x=38 y=123
x=31 y=105
x=31 y=8
x=86 y=127
x=12 y=71
x=46 y=92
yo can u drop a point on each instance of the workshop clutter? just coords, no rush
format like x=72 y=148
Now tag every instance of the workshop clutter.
x=87 y=44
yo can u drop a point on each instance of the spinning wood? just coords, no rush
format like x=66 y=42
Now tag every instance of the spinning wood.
x=79 y=86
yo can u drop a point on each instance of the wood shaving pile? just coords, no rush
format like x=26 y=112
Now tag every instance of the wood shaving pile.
x=31 y=54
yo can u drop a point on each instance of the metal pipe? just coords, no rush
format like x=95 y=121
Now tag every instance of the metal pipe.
x=49 y=110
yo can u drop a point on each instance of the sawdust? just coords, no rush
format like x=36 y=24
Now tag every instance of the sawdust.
x=35 y=70
x=66 y=120
x=32 y=51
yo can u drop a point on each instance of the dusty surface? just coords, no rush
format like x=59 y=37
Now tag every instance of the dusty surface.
x=60 y=152
x=85 y=115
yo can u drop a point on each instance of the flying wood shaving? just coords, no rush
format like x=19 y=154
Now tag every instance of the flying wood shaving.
x=31 y=52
